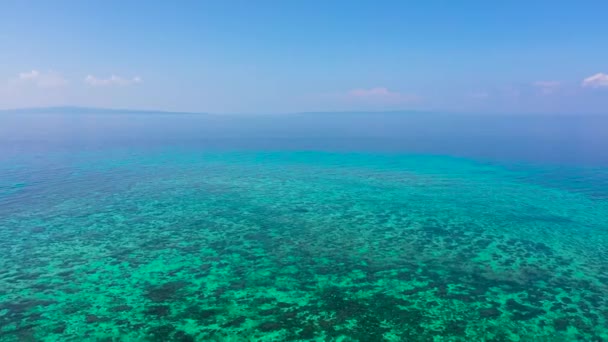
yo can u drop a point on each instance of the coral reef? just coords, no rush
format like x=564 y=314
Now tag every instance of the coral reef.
x=183 y=245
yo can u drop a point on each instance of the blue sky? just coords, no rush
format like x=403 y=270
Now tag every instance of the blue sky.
x=292 y=56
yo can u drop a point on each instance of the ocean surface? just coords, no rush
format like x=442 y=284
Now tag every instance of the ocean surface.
x=310 y=227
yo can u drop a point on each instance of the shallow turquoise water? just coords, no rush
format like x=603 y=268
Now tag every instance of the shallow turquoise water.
x=185 y=244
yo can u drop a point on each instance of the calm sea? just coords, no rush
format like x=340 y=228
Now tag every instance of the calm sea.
x=306 y=227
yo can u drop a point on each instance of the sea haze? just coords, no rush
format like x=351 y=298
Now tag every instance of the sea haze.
x=556 y=139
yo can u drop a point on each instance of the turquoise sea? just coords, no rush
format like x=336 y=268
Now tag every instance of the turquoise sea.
x=311 y=227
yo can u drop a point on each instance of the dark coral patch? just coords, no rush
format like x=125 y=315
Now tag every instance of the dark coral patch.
x=166 y=292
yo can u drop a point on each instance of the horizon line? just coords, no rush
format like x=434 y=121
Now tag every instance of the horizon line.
x=354 y=111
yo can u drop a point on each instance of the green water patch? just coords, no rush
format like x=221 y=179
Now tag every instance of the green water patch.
x=191 y=246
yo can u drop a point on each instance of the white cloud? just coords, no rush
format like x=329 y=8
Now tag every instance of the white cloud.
x=30 y=75
x=111 y=81
x=596 y=81
x=547 y=87
x=50 y=79
x=381 y=94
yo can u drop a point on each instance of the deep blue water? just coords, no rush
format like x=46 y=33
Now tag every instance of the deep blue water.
x=561 y=147
x=552 y=139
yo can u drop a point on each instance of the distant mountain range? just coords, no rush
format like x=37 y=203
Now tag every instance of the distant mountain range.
x=94 y=110
x=338 y=114
x=85 y=110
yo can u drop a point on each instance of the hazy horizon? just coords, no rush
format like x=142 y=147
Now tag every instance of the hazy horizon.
x=61 y=109
x=555 y=138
